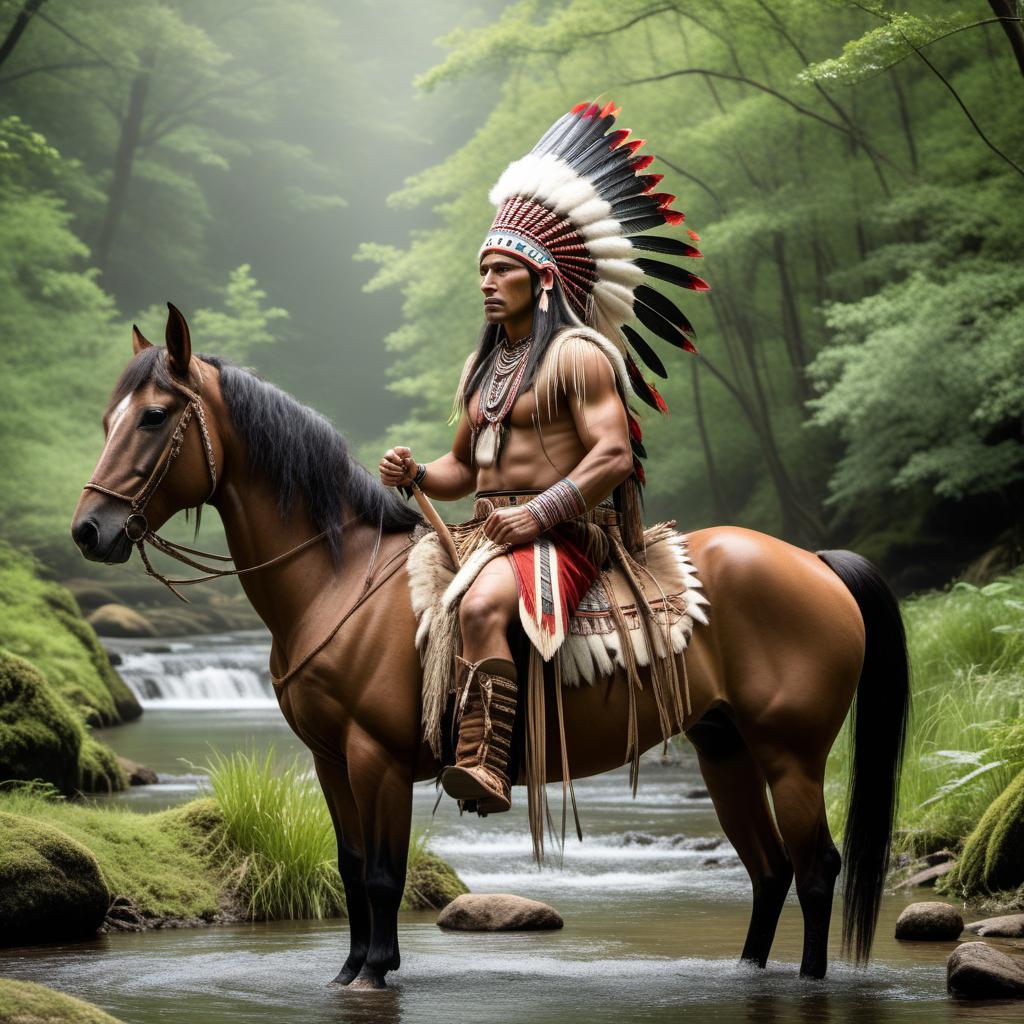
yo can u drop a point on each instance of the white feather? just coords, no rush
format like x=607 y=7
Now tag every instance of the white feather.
x=607 y=228
x=624 y=272
x=610 y=248
x=593 y=211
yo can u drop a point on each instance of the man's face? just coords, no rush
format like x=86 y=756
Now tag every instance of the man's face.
x=507 y=288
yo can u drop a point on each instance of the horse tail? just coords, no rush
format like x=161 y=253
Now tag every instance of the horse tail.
x=879 y=728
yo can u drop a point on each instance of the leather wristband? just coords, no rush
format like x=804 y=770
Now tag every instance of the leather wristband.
x=421 y=472
x=558 y=503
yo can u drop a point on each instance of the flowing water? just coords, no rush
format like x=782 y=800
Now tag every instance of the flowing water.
x=655 y=904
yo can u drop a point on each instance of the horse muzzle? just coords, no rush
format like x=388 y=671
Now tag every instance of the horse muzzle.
x=101 y=541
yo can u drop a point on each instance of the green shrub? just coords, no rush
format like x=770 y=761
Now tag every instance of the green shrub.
x=993 y=854
x=965 y=740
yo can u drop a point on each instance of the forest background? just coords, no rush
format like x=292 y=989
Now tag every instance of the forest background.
x=308 y=181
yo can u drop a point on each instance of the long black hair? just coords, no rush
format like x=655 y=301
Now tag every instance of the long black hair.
x=546 y=324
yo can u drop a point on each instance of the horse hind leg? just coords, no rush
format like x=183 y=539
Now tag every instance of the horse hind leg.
x=738 y=790
x=798 y=797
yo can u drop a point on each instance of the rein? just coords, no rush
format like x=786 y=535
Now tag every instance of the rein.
x=136 y=526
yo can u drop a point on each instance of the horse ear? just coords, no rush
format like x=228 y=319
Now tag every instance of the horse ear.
x=139 y=341
x=179 y=343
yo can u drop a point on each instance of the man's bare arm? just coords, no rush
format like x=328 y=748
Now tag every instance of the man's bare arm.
x=446 y=478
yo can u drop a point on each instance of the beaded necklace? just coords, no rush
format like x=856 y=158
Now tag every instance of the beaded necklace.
x=497 y=398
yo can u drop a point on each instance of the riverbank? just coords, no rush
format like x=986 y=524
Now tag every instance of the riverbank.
x=261 y=848
x=56 y=683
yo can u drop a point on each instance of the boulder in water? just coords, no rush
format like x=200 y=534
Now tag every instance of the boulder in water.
x=498 y=912
x=977 y=971
x=50 y=886
x=138 y=774
x=120 y=620
x=929 y=922
x=1009 y=926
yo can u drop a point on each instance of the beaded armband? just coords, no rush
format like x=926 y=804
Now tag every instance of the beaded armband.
x=421 y=472
x=558 y=503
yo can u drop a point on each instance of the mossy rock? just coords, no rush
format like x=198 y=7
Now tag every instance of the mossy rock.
x=431 y=883
x=40 y=737
x=120 y=620
x=991 y=860
x=89 y=594
x=23 y=1002
x=50 y=886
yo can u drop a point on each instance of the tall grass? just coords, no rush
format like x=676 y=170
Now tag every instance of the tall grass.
x=965 y=742
x=280 y=832
x=278 y=824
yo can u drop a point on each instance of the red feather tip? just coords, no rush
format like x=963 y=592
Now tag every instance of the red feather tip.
x=658 y=400
x=592 y=111
x=698 y=284
x=663 y=199
x=579 y=107
x=673 y=217
x=650 y=180
x=688 y=346
x=634 y=430
x=610 y=108
x=638 y=468
x=693 y=235
x=617 y=136
x=642 y=162
x=634 y=145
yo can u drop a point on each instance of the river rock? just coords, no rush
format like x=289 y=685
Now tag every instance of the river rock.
x=1010 y=926
x=431 y=883
x=138 y=774
x=932 y=922
x=977 y=971
x=927 y=876
x=498 y=912
x=24 y=1002
x=50 y=886
x=120 y=620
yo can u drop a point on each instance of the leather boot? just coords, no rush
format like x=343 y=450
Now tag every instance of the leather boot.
x=487 y=703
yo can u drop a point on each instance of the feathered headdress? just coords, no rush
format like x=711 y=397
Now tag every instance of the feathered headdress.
x=578 y=204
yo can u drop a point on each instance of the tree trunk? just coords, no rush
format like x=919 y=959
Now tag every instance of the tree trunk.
x=117 y=193
x=901 y=104
x=21 y=22
x=719 y=505
x=1014 y=29
x=791 y=327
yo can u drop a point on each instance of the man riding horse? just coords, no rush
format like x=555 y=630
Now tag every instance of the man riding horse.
x=545 y=434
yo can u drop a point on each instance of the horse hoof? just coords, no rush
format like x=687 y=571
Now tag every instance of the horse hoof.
x=345 y=977
x=369 y=981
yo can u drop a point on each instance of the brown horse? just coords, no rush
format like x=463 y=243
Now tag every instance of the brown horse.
x=793 y=636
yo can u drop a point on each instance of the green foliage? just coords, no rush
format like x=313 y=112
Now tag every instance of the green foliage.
x=278 y=823
x=40 y=621
x=279 y=829
x=164 y=864
x=966 y=736
x=24 y=1002
x=991 y=859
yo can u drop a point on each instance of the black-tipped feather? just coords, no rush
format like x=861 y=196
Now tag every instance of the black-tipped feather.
x=633 y=206
x=638 y=449
x=671 y=273
x=631 y=225
x=643 y=392
x=651 y=359
x=668 y=246
x=664 y=306
x=665 y=329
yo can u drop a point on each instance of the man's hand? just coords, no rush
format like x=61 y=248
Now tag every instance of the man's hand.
x=397 y=468
x=511 y=526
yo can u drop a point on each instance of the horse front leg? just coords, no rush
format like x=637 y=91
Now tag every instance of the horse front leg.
x=382 y=789
x=337 y=791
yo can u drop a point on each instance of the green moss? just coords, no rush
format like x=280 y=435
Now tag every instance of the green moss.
x=992 y=860
x=431 y=883
x=164 y=864
x=40 y=621
x=22 y=1002
x=41 y=737
x=50 y=885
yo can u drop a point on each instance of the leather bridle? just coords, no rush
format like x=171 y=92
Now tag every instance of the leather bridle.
x=136 y=526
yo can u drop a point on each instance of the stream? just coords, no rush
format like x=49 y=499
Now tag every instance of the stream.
x=655 y=902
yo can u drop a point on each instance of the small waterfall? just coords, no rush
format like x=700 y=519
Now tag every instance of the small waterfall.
x=223 y=671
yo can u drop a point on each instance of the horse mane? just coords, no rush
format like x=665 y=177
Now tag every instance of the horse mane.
x=296 y=448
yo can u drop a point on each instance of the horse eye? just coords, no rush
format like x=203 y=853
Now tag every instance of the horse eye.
x=153 y=418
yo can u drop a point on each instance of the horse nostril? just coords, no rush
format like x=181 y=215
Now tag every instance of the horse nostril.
x=87 y=536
